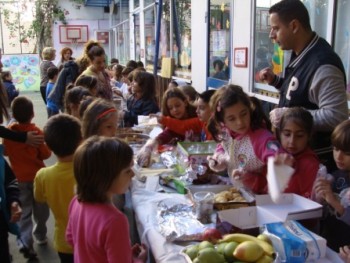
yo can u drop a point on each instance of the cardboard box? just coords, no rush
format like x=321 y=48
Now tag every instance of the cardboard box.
x=291 y=207
x=195 y=152
x=249 y=197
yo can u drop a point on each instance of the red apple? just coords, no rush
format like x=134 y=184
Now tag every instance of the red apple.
x=212 y=235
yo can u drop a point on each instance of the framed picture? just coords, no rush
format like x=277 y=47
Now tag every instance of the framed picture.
x=240 y=57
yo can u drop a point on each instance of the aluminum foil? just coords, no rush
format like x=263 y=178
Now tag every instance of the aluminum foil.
x=178 y=222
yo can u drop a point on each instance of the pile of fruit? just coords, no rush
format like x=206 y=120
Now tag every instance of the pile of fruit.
x=230 y=195
x=233 y=248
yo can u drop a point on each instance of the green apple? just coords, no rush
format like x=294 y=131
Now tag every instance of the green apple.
x=210 y=255
x=205 y=244
x=192 y=252
x=228 y=251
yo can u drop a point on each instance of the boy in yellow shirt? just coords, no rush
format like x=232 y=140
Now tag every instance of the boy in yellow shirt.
x=55 y=184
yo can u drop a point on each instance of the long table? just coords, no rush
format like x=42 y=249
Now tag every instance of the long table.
x=144 y=201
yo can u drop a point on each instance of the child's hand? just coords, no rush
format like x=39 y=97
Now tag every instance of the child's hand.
x=16 y=212
x=159 y=117
x=143 y=158
x=218 y=162
x=323 y=189
x=34 y=139
x=276 y=115
x=284 y=158
x=344 y=253
x=139 y=253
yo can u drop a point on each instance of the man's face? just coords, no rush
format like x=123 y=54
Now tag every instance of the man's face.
x=281 y=33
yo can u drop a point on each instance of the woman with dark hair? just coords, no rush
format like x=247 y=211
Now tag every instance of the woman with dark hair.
x=66 y=55
x=97 y=69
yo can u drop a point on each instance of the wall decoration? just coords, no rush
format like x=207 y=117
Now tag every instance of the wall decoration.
x=240 y=57
x=24 y=69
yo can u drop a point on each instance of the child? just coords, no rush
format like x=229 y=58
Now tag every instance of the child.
x=55 y=185
x=116 y=80
x=295 y=131
x=173 y=84
x=100 y=118
x=88 y=82
x=246 y=143
x=10 y=210
x=26 y=161
x=190 y=93
x=48 y=55
x=51 y=106
x=73 y=98
x=11 y=90
x=174 y=105
x=96 y=229
x=198 y=125
x=335 y=193
x=143 y=99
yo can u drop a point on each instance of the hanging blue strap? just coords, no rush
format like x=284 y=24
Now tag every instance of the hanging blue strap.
x=13 y=227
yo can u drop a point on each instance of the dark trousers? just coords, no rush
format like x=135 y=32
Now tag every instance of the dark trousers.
x=43 y=93
x=66 y=258
x=4 y=244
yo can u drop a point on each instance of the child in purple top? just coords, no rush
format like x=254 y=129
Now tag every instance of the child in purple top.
x=96 y=229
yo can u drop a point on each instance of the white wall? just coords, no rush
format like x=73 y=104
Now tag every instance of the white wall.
x=83 y=12
x=199 y=44
x=93 y=17
x=242 y=37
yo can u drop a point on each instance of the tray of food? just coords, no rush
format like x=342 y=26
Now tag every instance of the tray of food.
x=226 y=196
x=134 y=138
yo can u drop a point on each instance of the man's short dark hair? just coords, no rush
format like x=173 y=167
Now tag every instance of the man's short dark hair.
x=62 y=133
x=288 y=10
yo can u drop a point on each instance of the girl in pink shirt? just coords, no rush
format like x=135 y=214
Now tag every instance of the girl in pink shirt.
x=241 y=127
x=96 y=229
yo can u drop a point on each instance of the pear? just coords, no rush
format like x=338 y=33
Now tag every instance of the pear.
x=229 y=249
x=220 y=248
x=205 y=244
x=210 y=255
x=192 y=252
x=248 y=251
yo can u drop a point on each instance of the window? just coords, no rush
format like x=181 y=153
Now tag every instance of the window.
x=219 y=39
x=122 y=34
x=137 y=36
x=175 y=36
x=14 y=18
x=342 y=37
x=150 y=36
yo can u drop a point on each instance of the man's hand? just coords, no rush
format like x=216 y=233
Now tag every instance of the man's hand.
x=266 y=75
